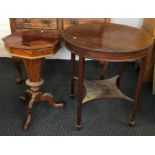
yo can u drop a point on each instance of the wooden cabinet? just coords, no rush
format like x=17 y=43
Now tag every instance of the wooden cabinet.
x=68 y=22
x=19 y=24
x=149 y=26
x=37 y=23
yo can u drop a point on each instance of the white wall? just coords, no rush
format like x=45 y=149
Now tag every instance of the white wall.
x=4 y=31
x=136 y=22
x=63 y=52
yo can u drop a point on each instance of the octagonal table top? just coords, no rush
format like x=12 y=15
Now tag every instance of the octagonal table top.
x=32 y=43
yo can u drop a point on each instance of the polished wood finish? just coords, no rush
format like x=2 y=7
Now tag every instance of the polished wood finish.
x=51 y=24
x=149 y=26
x=32 y=46
x=111 y=43
x=131 y=39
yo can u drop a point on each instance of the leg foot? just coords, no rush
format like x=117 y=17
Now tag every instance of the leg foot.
x=78 y=127
x=26 y=96
x=132 y=123
x=19 y=81
x=49 y=98
x=72 y=96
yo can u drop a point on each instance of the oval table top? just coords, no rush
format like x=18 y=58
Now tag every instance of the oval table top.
x=108 y=37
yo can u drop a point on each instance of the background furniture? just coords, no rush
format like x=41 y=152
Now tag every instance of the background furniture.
x=51 y=24
x=32 y=46
x=111 y=43
x=149 y=26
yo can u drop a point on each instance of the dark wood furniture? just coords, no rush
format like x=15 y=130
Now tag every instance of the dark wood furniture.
x=32 y=46
x=111 y=43
x=50 y=24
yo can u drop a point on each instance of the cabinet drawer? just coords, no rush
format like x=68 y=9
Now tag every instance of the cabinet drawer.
x=67 y=22
x=37 y=23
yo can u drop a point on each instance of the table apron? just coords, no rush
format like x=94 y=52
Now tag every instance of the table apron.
x=110 y=57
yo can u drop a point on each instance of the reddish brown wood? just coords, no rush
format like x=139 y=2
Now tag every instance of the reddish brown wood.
x=104 y=67
x=111 y=43
x=37 y=23
x=68 y=22
x=33 y=46
x=72 y=65
x=80 y=89
x=119 y=72
x=138 y=90
x=52 y=24
x=34 y=68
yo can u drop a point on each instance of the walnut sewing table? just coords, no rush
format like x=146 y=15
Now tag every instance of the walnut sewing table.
x=111 y=43
x=33 y=46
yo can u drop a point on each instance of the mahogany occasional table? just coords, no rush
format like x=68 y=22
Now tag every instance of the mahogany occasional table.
x=33 y=46
x=111 y=43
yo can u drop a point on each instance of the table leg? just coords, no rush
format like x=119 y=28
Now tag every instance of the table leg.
x=16 y=62
x=72 y=66
x=104 y=67
x=138 y=90
x=29 y=117
x=80 y=89
x=34 y=70
x=119 y=72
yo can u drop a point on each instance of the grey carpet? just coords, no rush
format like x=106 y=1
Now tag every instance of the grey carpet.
x=102 y=117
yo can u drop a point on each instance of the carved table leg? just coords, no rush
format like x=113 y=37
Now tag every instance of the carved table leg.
x=80 y=89
x=16 y=62
x=72 y=65
x=47 y=97
x=29 y=117
x=138 y=90
x=34 y=68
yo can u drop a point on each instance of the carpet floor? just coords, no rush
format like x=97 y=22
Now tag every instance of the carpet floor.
x=99 y=118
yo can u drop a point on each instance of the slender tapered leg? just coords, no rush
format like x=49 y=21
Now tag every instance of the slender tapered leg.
x=16 y=62
x=80 y=89
x=72 y=65
x=119 y=72
x=104 y=67
x=138 y=90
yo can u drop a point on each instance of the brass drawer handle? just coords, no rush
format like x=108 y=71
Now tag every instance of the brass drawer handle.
x=73 y=22
x=26 y=20
x=46 y=21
